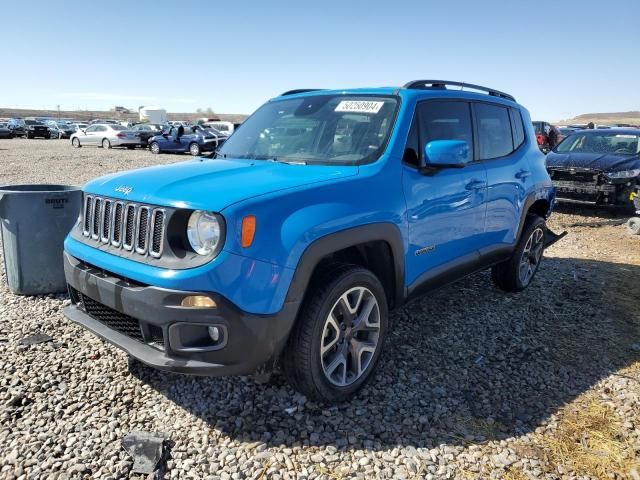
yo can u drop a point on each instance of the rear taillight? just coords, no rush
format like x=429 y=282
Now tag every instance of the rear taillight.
x=121 y=135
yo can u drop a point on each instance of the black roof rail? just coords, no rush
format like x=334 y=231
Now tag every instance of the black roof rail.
x=442 y=84
x=299 y=90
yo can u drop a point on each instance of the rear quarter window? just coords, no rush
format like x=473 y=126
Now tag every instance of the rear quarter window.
x=517 y=127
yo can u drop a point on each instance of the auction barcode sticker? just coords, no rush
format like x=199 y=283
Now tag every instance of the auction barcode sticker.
x=359 y=106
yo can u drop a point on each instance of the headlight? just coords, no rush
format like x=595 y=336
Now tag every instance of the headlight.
x=624 y=173
x=204 y=232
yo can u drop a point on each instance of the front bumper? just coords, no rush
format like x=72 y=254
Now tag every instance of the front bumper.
x=150 y=324
x=591 y=187
x=38 y=134
x=125 y=142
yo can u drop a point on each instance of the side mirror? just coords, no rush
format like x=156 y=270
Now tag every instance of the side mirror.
x=446 y=154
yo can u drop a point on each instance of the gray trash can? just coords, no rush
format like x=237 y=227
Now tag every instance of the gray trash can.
x=34 y=220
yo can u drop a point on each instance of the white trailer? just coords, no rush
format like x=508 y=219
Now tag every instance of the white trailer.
x=152 y=114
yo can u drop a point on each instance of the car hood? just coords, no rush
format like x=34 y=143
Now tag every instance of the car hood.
x=608 y=162
x=211 y=184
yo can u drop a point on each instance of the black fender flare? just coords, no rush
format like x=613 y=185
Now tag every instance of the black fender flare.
x=530 y=200
x=333 y=242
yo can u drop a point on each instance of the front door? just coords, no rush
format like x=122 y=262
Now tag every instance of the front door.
x=445 y=208
x=90 y=135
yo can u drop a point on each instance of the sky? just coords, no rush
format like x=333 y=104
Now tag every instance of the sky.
x=559 y=59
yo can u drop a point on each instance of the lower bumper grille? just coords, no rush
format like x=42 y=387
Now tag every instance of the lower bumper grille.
x=124 y=324
x=592 y=178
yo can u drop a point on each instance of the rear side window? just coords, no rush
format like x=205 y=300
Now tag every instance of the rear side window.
x=517 y=127
x=494 y=131
x=445 y=121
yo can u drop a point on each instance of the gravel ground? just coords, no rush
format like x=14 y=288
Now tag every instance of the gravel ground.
x=473 y=383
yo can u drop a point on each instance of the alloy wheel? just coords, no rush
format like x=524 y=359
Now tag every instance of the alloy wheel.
x=350 y=336
x=531 y=256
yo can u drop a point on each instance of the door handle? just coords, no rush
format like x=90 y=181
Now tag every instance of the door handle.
x=475 y=185
x=523 y=174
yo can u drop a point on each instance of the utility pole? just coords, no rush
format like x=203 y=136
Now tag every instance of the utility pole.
x=58 y=106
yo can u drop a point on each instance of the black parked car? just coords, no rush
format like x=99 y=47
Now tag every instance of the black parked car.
x=17 y=126
x=597 y=166
x=35 y=129
x=146 y=130
x=5 y=131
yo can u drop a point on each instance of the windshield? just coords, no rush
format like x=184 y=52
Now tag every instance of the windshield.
x=31 y=122
x=117 y=127
x=321 y=129
x=621 y=144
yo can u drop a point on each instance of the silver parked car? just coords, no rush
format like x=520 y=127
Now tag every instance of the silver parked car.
x=105 y=135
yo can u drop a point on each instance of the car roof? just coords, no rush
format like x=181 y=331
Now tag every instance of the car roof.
x=405 y=93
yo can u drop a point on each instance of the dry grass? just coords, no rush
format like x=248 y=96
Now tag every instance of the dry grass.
x=514 y=474
x=590 y=440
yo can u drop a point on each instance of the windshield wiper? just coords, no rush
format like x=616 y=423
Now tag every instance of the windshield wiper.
x=216 y=154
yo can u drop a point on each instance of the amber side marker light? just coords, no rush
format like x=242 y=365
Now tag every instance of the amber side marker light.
x=248 y=231
x=198 y=301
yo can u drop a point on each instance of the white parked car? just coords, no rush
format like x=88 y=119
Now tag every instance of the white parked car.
x=79 y=126
x=105 y=135
x=226 y=128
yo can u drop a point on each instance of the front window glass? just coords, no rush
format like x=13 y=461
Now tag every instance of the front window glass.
x=621 y=144
x=334 y=129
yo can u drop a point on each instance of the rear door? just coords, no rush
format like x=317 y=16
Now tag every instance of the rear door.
x=502 y=149
x=446 y=210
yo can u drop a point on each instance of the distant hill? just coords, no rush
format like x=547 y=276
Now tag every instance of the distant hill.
x=110 y=114
x=611 y=118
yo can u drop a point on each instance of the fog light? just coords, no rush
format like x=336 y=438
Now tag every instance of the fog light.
x=214 y=333
x=198 y=301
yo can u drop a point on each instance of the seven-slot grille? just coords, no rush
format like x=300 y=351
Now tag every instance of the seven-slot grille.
x=133 y=227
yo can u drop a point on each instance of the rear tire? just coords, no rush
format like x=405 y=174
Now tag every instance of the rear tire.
x=633 y=225
x=106 y=144
x=336 y=341
x=194 y=149
x=516 y=274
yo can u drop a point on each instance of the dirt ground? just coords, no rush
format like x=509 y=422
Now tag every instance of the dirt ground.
x=472 y=384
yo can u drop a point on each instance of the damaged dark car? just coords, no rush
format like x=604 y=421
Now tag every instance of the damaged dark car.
x=601 y=167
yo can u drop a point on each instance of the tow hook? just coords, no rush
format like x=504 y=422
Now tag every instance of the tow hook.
x=550 y=237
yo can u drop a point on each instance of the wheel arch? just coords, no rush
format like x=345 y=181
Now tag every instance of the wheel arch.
x=537 y=203
x=377 y=246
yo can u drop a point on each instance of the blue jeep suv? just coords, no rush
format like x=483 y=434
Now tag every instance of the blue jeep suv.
x=289 y=245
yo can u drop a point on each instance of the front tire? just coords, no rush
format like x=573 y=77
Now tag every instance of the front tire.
x=106 y=143
x=155 y=148
x=76 y=142
x=336 y=342
x=516 y=274
x=633 y=225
